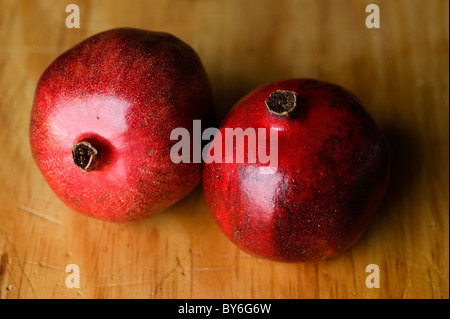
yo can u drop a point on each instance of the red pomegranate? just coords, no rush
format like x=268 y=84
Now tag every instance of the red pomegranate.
x=329 y=177
x=101 y=122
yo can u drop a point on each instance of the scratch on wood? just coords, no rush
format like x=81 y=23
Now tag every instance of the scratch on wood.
x=41 y=264
x=37 y=214
x=159 y=285
x=3 y=264
x=11 y=276
x=24 y=48
x=432 y=265
x=16 y=253
x=180 y=265
x=405 y=291
x=120 y=284
x=210 y=269
x=237 y=256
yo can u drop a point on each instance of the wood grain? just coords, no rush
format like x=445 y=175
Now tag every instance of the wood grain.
x=399 y=71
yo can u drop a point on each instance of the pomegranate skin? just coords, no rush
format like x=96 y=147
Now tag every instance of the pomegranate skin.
x=332 y=173
x=122 y=91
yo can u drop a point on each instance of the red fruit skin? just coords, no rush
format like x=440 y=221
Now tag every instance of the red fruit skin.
x=122 y=90
x=333 y=170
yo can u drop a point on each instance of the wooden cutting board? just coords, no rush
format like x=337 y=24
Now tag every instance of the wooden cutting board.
x=399 y=71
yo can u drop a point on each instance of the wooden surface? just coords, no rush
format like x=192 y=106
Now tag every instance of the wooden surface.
x=399 y=71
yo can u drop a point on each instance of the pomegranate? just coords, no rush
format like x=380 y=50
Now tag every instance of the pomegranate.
x=101 y=122
x=330 y=176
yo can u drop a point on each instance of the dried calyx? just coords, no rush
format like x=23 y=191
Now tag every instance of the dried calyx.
x=84 y=156
x=281 y=102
